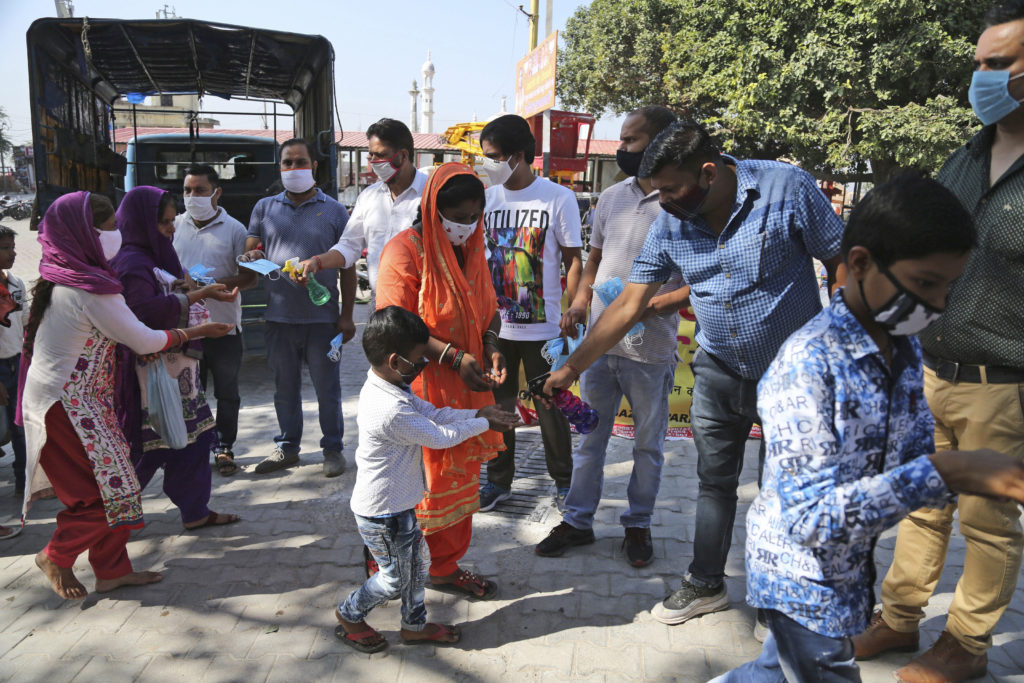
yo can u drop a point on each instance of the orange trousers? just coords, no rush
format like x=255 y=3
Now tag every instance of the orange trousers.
x=448 y=546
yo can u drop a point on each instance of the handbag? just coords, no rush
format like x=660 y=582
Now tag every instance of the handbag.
x=165 y=406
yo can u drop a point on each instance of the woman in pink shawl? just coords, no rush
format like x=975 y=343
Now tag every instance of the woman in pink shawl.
x=75 y=446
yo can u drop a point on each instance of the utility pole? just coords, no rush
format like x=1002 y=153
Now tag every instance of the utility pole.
x=65 y=8
x=166 y=14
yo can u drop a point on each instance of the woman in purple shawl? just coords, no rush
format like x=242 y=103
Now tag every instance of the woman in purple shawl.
x=153 y=280
x=75 y=446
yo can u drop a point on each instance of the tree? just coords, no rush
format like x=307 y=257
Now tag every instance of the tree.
x=828 y=84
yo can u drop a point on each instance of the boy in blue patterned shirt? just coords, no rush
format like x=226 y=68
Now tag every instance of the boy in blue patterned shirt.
x=849 y=437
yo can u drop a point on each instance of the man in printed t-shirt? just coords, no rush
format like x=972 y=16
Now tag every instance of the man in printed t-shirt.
x=532 y=227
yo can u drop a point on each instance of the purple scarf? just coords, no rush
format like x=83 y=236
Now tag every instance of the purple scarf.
x=72 y=255
x=143 y=246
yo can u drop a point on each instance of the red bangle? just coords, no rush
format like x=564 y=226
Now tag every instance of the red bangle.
x=574 y=369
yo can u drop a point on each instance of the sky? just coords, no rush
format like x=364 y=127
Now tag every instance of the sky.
x=379 y=49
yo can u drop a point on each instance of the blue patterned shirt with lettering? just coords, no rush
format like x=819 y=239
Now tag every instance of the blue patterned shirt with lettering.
x=847 y=440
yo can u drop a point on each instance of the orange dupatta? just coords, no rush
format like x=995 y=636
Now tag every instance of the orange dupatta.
x=458 y=307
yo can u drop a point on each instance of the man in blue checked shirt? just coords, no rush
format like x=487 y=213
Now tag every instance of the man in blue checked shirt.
x=742 y=234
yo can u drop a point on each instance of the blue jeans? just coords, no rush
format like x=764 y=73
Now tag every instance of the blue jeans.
x=222 y=358
x=796 y=654
x=397 y=545
x=724 y=408
x=288 y=345
x=9 y=378
x=646 y=386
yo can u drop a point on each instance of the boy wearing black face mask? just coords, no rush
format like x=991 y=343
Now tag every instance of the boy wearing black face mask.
x=849 y=436
x=393 y=426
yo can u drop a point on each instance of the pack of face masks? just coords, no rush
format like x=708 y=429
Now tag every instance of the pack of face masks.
x=558 y=350
x=335 y=353
x=262 y=266
x=608 y=291
x=201 y=274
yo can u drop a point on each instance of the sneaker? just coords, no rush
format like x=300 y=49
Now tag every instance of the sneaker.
x=560 y=495
x=690 y=601
x=639 y=549
x=491 y=495
x=761 y=626
x=334 y=463
x=561 y=537
x=278 y=460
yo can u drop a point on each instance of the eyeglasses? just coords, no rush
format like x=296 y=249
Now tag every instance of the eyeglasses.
x=416 y=366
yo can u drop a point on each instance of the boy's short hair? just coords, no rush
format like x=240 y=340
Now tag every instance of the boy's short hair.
x=909 y=217
x=511 y=133
x=7 y=231
x=393 y=330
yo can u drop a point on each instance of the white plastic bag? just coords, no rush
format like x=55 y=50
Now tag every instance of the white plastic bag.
x=165 y=406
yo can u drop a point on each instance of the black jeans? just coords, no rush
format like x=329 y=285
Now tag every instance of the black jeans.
x=222 y=358
x=9 y=378
x=554 y=428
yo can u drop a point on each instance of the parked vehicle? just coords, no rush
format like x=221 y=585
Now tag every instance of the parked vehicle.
x=86 y=77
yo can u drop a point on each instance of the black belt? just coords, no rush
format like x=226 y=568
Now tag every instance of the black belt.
x=952 y=371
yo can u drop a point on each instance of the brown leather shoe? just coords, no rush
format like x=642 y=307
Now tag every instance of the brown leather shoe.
x=879 y=638
x=946 y=662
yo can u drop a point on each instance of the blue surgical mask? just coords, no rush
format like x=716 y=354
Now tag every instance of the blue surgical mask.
x=990 y=95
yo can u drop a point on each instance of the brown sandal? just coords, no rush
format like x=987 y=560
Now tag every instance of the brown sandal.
x=225 y=464
x=468 y=584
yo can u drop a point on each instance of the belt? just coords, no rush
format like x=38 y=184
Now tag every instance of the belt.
x=953 y=371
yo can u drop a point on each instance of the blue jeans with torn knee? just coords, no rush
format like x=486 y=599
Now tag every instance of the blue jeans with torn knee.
x=397 y=545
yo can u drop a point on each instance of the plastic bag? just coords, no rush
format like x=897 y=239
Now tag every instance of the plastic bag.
x=608 y=291
x=555 y=351
x=165 y=406
x=335 y=353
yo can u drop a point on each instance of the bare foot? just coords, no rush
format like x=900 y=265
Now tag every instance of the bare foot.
x=132 y=579
x=438 y=633
x=63 y=580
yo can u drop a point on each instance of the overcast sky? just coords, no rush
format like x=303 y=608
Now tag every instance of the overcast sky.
x=379 y=46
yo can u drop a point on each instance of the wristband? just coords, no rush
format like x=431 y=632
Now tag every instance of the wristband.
x=319 y=265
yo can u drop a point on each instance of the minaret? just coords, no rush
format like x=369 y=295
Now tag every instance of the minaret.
x=414 y=97
x=428 y=95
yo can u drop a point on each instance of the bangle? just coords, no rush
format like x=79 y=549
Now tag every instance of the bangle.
x=458 y=360
x=574 y=369
x=444 y=353
x=491 y=337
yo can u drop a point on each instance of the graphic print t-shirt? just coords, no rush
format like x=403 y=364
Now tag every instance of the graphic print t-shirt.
x=525 y=231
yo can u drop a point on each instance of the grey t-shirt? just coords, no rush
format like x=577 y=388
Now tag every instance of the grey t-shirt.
x=289 y=231
x=621 y=222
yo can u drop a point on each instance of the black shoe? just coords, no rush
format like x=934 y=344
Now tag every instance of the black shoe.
x=278 y=460
x=639 y=549
x=561 y=537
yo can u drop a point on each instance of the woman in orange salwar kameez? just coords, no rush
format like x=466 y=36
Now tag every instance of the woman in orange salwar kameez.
x=438 y=269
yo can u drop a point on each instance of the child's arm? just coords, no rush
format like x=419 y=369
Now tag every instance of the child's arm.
x=411 y=427
x=443 y=415
x=796 y=398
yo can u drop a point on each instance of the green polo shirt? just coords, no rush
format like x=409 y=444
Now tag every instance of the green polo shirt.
x=984 y=319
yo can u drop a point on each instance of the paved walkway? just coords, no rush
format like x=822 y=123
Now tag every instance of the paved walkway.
x=253 y=601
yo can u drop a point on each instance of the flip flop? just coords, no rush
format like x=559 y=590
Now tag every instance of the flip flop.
x=12 y=531
x=352 y=640
x=210 y=521
x=440 y=631
x=464 y=584
x=225 y=464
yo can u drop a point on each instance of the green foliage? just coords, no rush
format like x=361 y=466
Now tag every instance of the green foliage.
x=825 y=83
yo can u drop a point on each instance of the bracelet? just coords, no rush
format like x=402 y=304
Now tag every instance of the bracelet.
x=319 y=265
x=458 y=360
x=491 y=337
x=444 y=353
x=574 y=369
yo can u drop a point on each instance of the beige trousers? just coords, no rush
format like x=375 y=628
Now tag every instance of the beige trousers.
x=967 y=417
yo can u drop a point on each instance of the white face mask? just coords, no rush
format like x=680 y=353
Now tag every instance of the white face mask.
x=457 y=233
x=200 y=208
x=110 y=242
x=498 y=172
x=297 y=181
x=385 y=170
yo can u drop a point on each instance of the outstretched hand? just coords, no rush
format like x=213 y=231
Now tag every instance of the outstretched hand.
x=982 y=473
x=499 y=419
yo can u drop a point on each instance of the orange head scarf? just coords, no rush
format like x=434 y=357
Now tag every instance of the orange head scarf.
x=458 y=305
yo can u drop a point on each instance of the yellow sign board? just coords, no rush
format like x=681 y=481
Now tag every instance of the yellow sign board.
x=535 y=78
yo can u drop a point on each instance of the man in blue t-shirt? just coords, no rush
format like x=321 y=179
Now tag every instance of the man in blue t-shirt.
x=298 y=223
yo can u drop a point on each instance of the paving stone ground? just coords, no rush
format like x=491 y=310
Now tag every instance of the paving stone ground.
x=253 y=601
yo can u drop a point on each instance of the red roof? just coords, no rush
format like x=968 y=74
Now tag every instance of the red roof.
x=348 y=140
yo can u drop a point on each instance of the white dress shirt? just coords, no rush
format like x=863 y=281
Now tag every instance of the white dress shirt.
x=376 y=218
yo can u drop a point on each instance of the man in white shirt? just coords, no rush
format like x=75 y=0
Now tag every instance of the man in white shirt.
x=11 y=339
x=385 y=208
x=533 y=228
x=206 y=235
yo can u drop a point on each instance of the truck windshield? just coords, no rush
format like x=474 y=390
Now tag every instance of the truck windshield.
x=230 y=165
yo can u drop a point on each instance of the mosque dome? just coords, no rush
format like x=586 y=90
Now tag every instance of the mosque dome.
x=428 y=66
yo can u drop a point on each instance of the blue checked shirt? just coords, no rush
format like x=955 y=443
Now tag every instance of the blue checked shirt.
x=847 y=441
x=753 y=285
